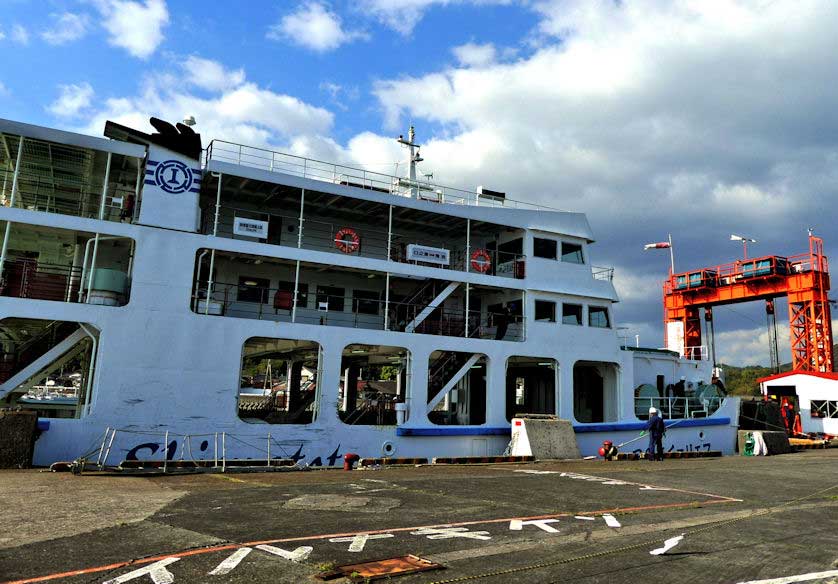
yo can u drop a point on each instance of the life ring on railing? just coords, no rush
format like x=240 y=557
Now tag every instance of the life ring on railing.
x=481 y=261
x=347 y=240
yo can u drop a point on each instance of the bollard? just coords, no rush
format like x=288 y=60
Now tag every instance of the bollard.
x=349 y=459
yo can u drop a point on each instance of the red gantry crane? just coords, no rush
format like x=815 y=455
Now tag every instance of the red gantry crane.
x=803 y=279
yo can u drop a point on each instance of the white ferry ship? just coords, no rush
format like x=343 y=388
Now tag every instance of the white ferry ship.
x=300 y=309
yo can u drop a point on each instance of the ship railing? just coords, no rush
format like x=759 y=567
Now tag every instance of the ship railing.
x=322 y=236
x=273 y=161
x=352 y=311
x=602 y=273
x=697 y=353
x=674 y=408
x=29 y=278
x=70 y=196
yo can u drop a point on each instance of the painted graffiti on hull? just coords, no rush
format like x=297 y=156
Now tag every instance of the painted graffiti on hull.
x=146 y=450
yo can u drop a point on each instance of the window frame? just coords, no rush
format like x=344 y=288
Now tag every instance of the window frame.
x=243 y=287
x=580 y=252
x=543 y=241
x=373 y=297
x=552 y=308
x=581 y=317
x=604 y=310
x=324 y=292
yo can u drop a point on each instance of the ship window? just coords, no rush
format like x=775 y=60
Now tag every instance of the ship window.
x=330 y=298
x=253 y=289
x=824 y=409
x=545 y=311
x=530 y=386
x=365 y=302
x=374 y=381
x=598 y=317
x=457 y=388
x=279 y=379
x=595 y=392
x=572 y=314
x=302 y=292
x=572 y=253
x=545 y=248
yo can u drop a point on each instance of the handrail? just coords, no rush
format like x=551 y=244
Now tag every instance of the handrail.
x=679 y=407
x=274 y=161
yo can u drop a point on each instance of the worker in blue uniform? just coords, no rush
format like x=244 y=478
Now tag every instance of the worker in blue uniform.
x=656 y=429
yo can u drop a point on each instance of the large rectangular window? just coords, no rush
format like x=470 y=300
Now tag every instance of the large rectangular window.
x=572 y=314
x=598 y=317
x=330 y=298
x=572 y=253
x=545 y=311
x=545 y=248
x=824 y=409
x=365 y=302
x=253 y=289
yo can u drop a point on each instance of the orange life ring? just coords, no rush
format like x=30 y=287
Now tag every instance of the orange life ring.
x=481 y=261
x=347 y=240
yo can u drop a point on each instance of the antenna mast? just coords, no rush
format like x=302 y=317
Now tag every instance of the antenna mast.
x=414 y=157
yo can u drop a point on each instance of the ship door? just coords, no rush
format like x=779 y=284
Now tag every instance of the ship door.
x=530 y=386
x=594 y=392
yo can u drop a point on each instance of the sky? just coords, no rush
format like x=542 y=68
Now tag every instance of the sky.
x=691 y=117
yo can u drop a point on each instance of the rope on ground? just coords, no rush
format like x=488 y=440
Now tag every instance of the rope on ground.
x=631 y=547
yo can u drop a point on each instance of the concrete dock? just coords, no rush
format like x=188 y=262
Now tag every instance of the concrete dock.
x=743 y=520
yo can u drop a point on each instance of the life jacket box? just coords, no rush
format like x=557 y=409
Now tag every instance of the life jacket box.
x=544 y=437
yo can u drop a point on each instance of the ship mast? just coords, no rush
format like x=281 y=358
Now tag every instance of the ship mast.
x=413 y=158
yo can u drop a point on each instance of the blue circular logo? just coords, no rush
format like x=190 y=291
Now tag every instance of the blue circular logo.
x=173 y=176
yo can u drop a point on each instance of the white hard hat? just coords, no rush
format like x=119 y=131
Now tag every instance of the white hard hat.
x=683 y=378
x=652 y=411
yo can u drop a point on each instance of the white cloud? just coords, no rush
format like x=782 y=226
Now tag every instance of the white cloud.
x=403 y=15
x=2 y=35
x=4 y=91
x=136 y=26
x=314 y=27
x=67 y=27
x=211 y=75
x=474 y=55
x=234 y=110
x=20 y=35
x=73 y=100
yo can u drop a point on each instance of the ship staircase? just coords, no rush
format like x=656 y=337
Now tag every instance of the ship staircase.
x=421 y=311
x=803 y=279
x=24 y=362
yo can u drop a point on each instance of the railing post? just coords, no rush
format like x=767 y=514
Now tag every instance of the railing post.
x=468 y=245
x=11 y=205
x=390 y=233
x=217 y=206
x=296 y=292
x=387 y=302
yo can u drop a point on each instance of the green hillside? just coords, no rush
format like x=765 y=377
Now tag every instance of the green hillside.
x=743 y=380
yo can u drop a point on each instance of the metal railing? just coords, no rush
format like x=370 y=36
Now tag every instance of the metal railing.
x=28 y=278
x=273 y=161
x=602 y=273
x=274 y=304
x=675 y=408
x=697 y=353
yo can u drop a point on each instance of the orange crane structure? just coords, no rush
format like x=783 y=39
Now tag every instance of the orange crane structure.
x=803 y=279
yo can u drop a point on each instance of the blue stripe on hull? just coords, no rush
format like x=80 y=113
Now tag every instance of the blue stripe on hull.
x=630 y=426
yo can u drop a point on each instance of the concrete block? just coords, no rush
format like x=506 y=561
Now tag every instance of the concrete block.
x=775 y=442
x=544 y=437
x=17 y=438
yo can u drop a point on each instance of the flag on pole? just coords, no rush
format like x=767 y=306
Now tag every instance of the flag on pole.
x=659 y=245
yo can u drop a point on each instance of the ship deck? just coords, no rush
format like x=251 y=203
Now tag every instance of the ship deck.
x=744 y=520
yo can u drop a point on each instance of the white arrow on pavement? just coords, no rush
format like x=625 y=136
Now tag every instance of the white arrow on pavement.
x=667 y=545
x=542 y=524
x=298 y=555
x=358 y=541
x=156 y=571
x=584 y=517
x=611 y=521
x=230 y=563
x=450 y=532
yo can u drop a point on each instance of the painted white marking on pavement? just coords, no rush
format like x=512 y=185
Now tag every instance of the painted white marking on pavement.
x=229 y=564
x=798 y=578
x=450 y=532
x=298 y=555
x=584 y=518
x=667 y=545
x=154 y=571
x=611 y=521
x=358 y=541
x=542 y=524
x=650 y=488
x=537 y=472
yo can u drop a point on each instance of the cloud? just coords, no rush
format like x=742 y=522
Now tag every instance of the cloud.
x=20 y=35
x=4 y=91
x=315 y=27
x=67 y=27
x=211 y=75
x=691 y=118
x=403 y=15
x=73 y=100
x=231 y=109
x=474 y=55
x=136 y=26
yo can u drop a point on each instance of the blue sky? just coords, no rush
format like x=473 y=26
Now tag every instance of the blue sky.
x=697 y=118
